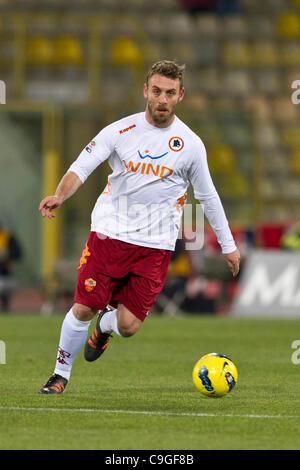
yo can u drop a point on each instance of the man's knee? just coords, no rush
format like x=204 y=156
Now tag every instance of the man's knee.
x=83 y=312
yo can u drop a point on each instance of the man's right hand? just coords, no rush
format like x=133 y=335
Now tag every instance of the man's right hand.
x=48 y=205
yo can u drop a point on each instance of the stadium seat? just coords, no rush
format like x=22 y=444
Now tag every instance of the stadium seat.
x=269 y=189
x=208 y=26
x=235 y=186
x=206 y=81
x=124 y=51
x=295 y=4
x=262 y=26
x=235 y=26
x=275 y=159
x=40 y=50
x=167 y=5
x=182 y=51
x=290 y=136
x=290 y=54
x=266 y=135
x=153 y=24
x=292 y=189
x=207 y=52
x=268 y=81
x=288 y=25
x=295 y=161
x=236 y=54
x=276 y=6
x=68 y=51
x=264 y=54
x=283 y=110
x=237 y=82
x=221 y=159
x=258 y=107
x=252 y=6
x=180 y=22
x=237 y=132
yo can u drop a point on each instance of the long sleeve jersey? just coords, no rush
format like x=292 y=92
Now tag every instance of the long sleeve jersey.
x=152 y=168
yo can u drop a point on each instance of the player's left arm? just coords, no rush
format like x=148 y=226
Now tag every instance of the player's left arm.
x=208 y=197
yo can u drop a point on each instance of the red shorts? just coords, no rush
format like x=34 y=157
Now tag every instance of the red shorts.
x=111 y=271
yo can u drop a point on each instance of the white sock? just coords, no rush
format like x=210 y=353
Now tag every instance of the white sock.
x=109 y=322
x=72 y=337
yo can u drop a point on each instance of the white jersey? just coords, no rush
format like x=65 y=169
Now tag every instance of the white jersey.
x=152 y=168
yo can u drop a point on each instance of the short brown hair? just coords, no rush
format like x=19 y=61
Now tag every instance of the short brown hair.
x=167 y=68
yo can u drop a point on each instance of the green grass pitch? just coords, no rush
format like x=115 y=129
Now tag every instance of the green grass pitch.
x=140 y=395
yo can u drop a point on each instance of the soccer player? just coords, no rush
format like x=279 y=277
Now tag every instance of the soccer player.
x=135 y=222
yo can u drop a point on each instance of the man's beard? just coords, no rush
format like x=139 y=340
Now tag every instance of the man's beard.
x=160 y=119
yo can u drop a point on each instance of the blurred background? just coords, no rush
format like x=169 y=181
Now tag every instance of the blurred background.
x=70 y=68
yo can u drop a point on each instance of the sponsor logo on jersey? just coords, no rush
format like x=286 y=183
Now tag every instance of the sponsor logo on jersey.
x=127 y=129
x=148 y=169
x=176 y=144
x=149 y=156
x=90 y=284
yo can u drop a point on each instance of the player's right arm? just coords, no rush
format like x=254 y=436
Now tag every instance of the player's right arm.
x=68 y=185
x=91 y=156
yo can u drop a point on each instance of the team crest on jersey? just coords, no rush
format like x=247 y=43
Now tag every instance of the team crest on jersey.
x=90 y=284
x=176 y=144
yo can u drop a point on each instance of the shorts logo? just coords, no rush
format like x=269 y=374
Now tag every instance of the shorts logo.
x=176 y=144
x=90 y=284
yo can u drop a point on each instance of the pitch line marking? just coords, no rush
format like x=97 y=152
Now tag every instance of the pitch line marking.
x=144 y=412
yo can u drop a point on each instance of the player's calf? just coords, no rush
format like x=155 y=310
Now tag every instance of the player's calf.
x=128 y=323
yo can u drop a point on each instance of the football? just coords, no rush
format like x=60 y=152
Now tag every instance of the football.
x=215 y=375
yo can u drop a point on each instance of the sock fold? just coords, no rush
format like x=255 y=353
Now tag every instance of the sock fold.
x=109 y=323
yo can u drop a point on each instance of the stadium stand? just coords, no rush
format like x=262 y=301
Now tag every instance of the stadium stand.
x=241 y=56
